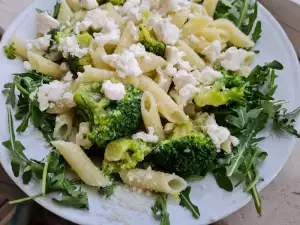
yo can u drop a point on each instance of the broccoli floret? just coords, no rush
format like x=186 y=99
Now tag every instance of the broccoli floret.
x=188 y=152
x=150 y=44
x=117 y=2
x=76 y=64
x=10 y=51
x=84 y=39
x=230 y=88
x=124 y=154
x=58 y=35
x=110 y=120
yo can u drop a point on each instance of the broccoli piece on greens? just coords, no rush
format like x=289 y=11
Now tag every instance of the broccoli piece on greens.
x=110 y=120
x=187 y=153
x=150 y=44
x=230 y=88
x=10 y=51
x=124 y=154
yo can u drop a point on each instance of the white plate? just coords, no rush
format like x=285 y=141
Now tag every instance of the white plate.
x=132 y=208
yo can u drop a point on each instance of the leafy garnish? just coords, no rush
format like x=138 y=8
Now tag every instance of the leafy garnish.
x=107 y=191
x=186 y=202
x=75 y=199
x=10 y=51
x=222 y=179
x=284 y=121
x=56 y=10
x=9 y=90
x=159 y=210
x=243 y=13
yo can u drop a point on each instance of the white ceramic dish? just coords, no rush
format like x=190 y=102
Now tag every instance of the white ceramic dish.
x=212 y=201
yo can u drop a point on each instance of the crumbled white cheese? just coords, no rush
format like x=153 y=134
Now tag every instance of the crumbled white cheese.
x=89 y=4
x=186 y=94
x=110 y=34
x=213 y=51
x=41 y=44
x=174 y=56
x=69 y=45
x=54 y=94
x=97 y=18
x=64 y=66
x=125 y=63
x=164 y=30
x=82 y=26
x=131 y=10
x=219 y=135
x=235 y=59
x=174 y=5
x=165 y=74
x=208 y=76
x=151 y=137
x=113 y=91
x=68 y=77
x=45 y=23
x=182 y=78
x=27 y=66
x=134 y=31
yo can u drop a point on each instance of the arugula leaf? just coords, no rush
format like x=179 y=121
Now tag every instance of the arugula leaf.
x=256 y=35
x=107 y=191
x=186 y=202
x=284 y=121
x=56 y=10
x=222 y=179
x=242 y=118
x=9 y=90
x=23 y=126
x=159 y=210
x=75 y=199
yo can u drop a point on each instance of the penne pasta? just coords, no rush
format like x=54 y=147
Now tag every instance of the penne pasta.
x=63 y=125
x=236 y=37
x=195 y=25
x=212 y=34
x=74 y=5
x=191 y=55
x=45 y=66
x=65 y=13
x=96 y=75
x=151 y=62
x=154 y=180
x=210 y=6
x=96 y=56
x=79 y=16
x=151 y=116
x=127 y=38
x=113 y=13
x=81 y=164
x=20 y=46
x=82 y=135
x=179 y=18
x=198 y=9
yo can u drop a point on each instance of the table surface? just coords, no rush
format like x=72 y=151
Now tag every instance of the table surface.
x=281 y=199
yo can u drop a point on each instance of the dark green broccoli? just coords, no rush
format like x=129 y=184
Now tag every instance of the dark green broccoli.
x=124 y=154
x=10 y=51
x=150 y=44
x=230 y=88
x=110 y=120
x=76 y=64
x=187 y=153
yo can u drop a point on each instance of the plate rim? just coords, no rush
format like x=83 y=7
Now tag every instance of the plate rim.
x=22 y=16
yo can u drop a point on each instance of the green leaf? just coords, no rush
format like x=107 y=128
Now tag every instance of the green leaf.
x=257 y=32
x=27 y=175
x=56 y=10
x=23 y=126
x=159 y=210
x=222 y=179
x=9 y=91
x=186 y=202
x=107 y=191
x=15 y=167
x=77 y=199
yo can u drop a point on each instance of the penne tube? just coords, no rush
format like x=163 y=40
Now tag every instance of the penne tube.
x=20 y=46
x=81 y=163
x=154 y=181
x=195 y=25
x=63 y=125
x=210 y=6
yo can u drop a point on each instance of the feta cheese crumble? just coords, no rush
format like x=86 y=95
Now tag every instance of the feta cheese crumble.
x=235 y=59
x=69 y=45
x=208 y=76
x=89 y=4
x=54 y=94
x=45 y=23
x=213 y=51
x=164 y=30
x=174 y=56
x=113 y=91
x=174 y=5
x=182 y=78
x=110 y=34
x=220 y=136
x=82 y=26
x=151 y=137
x=27 y=66
x=186 y=94
x=97 y=18
x=125 y=64
x=41 y=44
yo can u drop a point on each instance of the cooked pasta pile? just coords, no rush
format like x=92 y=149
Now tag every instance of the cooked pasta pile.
x=155 y=86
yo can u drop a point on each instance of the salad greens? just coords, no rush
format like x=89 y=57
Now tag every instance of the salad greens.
x=159 y=210
x=186 y=202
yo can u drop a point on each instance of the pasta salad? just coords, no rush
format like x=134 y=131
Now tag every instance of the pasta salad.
x=164 y=91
